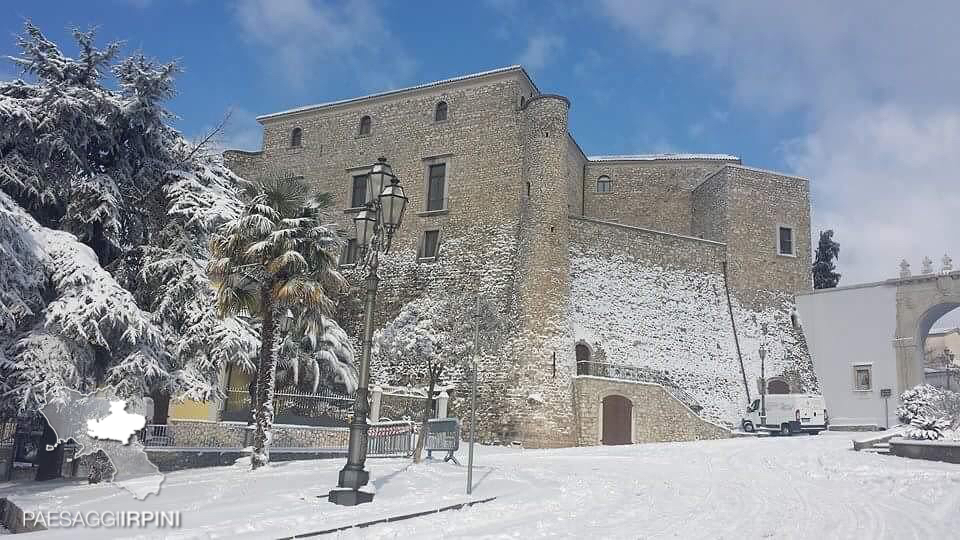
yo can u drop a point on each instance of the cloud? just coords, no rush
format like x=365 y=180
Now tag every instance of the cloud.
x=311 y=42
x=877 y=98
x=541 y=50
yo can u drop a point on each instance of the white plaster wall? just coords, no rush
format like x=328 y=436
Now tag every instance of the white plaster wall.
x=847 y=326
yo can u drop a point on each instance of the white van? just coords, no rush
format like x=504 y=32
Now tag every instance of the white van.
x=787 y=414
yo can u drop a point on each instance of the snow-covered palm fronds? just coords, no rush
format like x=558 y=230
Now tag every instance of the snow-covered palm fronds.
x=315 y=356
x=929 y=401
x=927 y=428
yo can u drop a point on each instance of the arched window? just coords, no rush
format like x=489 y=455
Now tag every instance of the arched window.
x=440 y=113
x=365 y=125
x=523 y=101
x=296 y=138
x=604 y=184
x=582 y=352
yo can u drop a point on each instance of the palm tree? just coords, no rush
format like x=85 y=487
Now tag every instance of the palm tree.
x=276 y=258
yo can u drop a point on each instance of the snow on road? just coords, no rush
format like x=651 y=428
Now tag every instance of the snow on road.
x=796 y=487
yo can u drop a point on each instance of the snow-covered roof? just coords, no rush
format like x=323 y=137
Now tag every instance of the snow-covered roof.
x=664 y=156
x=515 y=67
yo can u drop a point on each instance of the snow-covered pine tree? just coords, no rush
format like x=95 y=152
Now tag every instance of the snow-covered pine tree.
x=276 y=262
x=824 y=269
x=104 y=217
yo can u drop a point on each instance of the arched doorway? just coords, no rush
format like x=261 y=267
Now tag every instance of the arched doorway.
x=778 y=386
x=617 y=420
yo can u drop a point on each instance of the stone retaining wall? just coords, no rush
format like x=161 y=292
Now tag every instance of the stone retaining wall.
x=948 y=451
x=203 y=434
x=657 y=415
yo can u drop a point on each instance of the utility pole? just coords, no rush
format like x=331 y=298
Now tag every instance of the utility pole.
x=473 y=395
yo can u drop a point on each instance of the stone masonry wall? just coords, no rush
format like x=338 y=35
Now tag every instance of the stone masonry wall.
x=201 y=434
x=480 y=145
x=654 y=194
x=657 y=415
x=757 y=203
x=657 y=302
x=709 y=208
x=529 y=255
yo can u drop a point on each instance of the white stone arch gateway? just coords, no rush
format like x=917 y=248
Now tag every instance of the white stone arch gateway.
x=867 y=340
x=921 y=301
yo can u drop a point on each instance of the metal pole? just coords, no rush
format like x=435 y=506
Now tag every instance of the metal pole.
x=353 y=476
x=473 y=396
x=886 y=412
x=763 y=388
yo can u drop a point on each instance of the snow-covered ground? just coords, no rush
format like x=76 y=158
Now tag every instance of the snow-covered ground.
x=758 y=487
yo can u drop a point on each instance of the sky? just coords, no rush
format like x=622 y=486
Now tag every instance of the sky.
x=862 y=98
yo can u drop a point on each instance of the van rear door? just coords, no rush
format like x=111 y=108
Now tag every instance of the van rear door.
x=812 y=410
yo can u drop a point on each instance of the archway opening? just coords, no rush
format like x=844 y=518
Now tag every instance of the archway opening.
x=778 y=386
x=938 y=345
x=617 y=420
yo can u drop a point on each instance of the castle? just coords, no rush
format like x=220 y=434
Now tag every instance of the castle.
x=623 y=277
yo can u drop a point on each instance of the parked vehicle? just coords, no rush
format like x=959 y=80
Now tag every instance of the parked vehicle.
x=786 y=414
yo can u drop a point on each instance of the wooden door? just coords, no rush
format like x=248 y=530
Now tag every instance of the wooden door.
x=617 y=419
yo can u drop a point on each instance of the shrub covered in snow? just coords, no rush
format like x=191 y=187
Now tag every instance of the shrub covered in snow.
x=928 y=401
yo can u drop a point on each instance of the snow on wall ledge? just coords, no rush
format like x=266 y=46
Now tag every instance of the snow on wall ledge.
x=658 y=302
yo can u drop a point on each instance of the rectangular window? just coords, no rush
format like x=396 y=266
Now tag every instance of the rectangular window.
x=863 y=378
x=349 y=254
x=785 y=241
x=431 y=242
x=358 y=196
x=436 y=186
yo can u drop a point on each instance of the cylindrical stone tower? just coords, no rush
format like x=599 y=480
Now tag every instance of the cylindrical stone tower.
x=543 y=397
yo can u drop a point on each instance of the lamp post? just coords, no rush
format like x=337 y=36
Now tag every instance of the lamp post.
x=763 y=387
x=763 y=377
x=375 y=227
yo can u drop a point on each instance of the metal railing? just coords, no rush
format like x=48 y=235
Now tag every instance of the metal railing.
x=155 y=435
x=638 y=374
x=390 y=439
x=326 y=409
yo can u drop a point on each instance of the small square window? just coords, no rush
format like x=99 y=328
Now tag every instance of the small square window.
x=785 y=241
x=436 y=187
x=431 y=244
x=349 y=254
x=358 y=196
x=862 y=378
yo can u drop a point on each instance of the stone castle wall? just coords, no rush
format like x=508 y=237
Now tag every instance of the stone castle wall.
x=513 y=232
x=653 y=194
x=657 y=415
x=657 y=301
x=757 y=203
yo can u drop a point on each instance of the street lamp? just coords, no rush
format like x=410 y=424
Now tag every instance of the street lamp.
x=763 y=387
x=763 y=377
x=375 y=227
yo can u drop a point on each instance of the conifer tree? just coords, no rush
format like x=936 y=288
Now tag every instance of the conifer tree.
x=824 y=269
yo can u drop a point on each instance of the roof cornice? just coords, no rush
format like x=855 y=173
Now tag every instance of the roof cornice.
x=490 y=74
